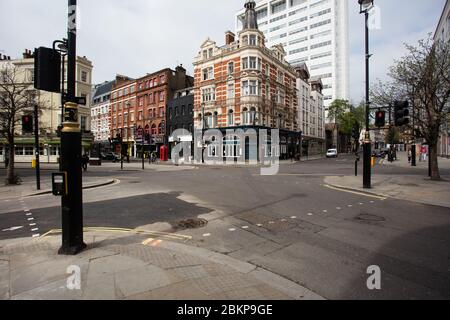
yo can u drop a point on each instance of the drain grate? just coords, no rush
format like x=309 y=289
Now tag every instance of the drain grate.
x=192 y=224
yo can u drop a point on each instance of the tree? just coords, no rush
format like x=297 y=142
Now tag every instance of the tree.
x=335 y=112
x=16 y=99
x=422 y=77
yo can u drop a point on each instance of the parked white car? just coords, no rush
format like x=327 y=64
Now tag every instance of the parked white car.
x=332 y=153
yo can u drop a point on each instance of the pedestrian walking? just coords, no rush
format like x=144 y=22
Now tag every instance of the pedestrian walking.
x=409 y=156
x=84 y=161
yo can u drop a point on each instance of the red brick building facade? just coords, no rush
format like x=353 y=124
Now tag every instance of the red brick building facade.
x=246 y=85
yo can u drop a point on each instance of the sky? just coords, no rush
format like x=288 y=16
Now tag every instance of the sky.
x=136 y=37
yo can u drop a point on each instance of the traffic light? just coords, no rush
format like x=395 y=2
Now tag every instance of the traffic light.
x=401 y=113
x=355 y=132
x=47 y=70
x=27 y=124
x=380 y=119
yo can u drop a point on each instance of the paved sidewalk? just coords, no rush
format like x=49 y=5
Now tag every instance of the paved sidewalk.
x=444 y=163
x=414 y=188
x=28 y=187
x=126 y=266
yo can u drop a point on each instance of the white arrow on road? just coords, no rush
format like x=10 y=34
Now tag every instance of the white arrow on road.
x=12 y=229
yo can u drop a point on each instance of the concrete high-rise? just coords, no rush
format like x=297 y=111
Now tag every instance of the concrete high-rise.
x=312 y=31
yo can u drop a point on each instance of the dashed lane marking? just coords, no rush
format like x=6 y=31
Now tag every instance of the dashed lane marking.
x=206 y=235
x=245 y=227
x=294 y=217
x=232 y=229
x=36 y=235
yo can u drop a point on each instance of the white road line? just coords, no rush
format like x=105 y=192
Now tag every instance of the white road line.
x=294 y=217
x=36 y=235
x=207 y=235
x=35 y=229
x=232 y=229
x=325 y=211
x=350 y=206
x=271 y=222
x=32 y=224
x=28 y=214
x=30 y=219
x=310 y=214
x=361 y=203
x=245 y=227
x=338 y=208
x=259 y=225
x=283 y=220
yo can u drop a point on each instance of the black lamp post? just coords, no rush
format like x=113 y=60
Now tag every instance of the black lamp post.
x=365 y=6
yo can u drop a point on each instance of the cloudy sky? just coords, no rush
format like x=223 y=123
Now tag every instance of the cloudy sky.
x=136 y=37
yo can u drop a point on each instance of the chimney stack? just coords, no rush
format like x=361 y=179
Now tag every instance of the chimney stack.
x=229 y=37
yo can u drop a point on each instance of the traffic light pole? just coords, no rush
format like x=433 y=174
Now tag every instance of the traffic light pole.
x=36 y=146
x=367 y=142
x=72 y=202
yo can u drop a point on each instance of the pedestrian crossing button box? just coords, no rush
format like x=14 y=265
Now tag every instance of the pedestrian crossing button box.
x=59 y=184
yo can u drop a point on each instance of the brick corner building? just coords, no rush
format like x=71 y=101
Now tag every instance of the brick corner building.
x=245 y=85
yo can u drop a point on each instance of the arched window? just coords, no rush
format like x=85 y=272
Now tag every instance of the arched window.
x=245 y=116
x=230 y=119
x=160 y=129
x=208 y=120
x=215 y=120
x=253 y=116
x=154 y=131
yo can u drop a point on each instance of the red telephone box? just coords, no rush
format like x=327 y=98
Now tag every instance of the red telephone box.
x=164 y=153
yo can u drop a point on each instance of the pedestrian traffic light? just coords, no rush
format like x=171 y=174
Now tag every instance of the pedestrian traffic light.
x=401 y=113
x=380 y=119
x=27 y=124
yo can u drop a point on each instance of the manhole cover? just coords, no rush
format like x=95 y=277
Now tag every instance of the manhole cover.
x=192 y=224
x=370 y=218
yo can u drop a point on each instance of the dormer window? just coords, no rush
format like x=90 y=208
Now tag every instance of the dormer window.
x=205 y=54
x=210 y=52
x=245 y=40
x=253 y=40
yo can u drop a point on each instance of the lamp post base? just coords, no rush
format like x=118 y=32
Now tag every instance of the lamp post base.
x=367 y=179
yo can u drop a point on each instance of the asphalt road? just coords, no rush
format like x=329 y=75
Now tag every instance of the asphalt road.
x=290 y=224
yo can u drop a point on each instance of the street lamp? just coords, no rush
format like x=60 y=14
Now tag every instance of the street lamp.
x=365 y=6
x=128 y=131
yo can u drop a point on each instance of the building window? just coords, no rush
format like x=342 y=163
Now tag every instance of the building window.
x=208 y=94
x=250 y=88
x=205 y=54
x=162 y=78
x=83 y=123
x=253 y=40
x=84 y=76
x=161 y=96
x=230 y=118
x=208 y=73
x=245 y=116
x=230 y=68
x=210 y=52
x=230 y=91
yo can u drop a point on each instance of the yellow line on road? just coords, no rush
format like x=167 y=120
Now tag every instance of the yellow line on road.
x=355 y=192
x=173 y=236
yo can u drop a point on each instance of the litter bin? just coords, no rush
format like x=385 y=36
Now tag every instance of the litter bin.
x=33 y=164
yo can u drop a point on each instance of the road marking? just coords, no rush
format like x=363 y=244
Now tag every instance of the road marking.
x=283 y=220
x=355 y=192
x=36 y=235
x=372 y=201
x=245 y=227
x=271 y=222
x=146 y=242
x=207 y=235
x=28 y=214
x=232 y=229
x=294 y=217
x=30 y=219
x=338 y=208
x=259 y=225
x=32 y=224
x=13 y=229
x=350 y=205
x=325 y=211
x=310 y=214
x=35 y=229
x=361 y=203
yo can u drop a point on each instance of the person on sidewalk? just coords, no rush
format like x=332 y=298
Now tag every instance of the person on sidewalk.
x=84 y=161
x=409 y=156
